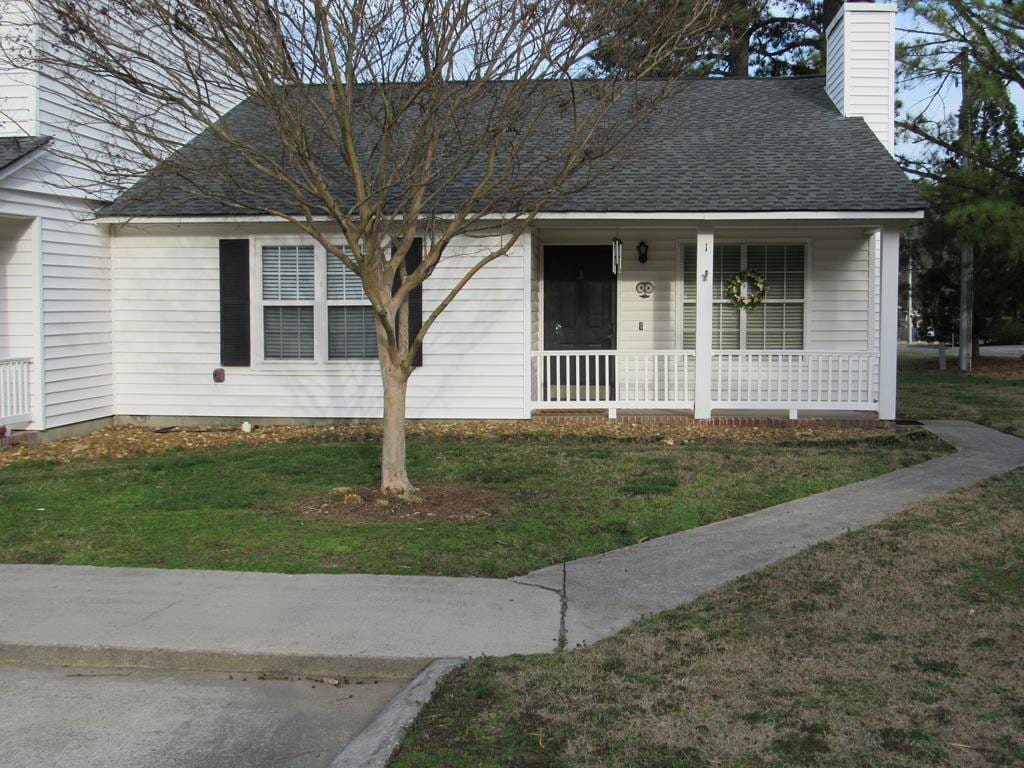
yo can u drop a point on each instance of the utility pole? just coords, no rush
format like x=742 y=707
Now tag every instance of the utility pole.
x=966 y=125
x=910 y=302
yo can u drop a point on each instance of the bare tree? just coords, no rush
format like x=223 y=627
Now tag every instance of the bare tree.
x=384 y=120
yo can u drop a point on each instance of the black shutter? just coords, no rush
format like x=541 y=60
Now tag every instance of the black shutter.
x=412 y=260
x=234 y=303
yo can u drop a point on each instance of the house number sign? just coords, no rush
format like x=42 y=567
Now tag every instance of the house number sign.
x=644 y=289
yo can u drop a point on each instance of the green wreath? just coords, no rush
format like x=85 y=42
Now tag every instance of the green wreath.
x=756 y=287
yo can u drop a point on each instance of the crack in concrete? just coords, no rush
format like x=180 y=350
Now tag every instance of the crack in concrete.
x=563 y=595
x=563 y=638
x=151 y=614
x=545 y=587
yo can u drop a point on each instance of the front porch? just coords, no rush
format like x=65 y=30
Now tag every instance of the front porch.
x=660 y=333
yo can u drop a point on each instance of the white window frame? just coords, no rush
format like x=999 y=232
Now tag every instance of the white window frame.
x=744 y=243
x=320 y=304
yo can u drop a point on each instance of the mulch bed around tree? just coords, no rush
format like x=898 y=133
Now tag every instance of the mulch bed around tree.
x=129 y=441
x=451 y=502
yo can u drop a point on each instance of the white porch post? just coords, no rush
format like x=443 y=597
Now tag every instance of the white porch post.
x=888 y=306
x=705 y=266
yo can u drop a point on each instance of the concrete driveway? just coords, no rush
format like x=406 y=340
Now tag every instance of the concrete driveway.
x=81 y=718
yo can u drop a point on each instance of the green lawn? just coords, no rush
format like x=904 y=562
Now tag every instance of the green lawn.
x=925 y=392
x=559 y=498
x=899 y=645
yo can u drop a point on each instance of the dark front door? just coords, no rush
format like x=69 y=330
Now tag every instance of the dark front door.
x=579 y=297
x=579 y=314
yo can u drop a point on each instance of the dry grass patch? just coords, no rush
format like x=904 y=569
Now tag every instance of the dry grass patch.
x=896 y=646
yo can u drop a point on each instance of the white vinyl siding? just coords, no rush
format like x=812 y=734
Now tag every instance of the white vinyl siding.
x=17 y=86
x=778 y=323
x=168 y=339
x=842 y=306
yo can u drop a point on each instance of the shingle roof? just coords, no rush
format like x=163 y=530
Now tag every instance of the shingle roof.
x=13 y=148
x=715 y=145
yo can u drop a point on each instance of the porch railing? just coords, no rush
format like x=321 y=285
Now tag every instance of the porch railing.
x=774 y=379
x=794 y=379
x=613 y=379
x=15 y=397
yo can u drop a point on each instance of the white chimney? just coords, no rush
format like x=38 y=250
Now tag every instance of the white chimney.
x=860 y=75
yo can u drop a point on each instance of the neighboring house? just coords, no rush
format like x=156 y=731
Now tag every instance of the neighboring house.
x=56 y=348
x=56 y=354
x=791 y=178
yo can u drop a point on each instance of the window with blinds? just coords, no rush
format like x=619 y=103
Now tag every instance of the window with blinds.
x=289 y=294
x=351 y=332
x=289 y=273
x=288 y=333
x=778 y=323
x=308 y=305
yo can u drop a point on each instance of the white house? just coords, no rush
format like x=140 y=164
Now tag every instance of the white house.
x=616 y=299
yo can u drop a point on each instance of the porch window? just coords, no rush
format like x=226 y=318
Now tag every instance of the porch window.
x=778 y=323
x=289 y=300
x=351 y=331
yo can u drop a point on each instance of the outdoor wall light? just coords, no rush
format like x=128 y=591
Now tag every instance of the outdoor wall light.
x=641 y=251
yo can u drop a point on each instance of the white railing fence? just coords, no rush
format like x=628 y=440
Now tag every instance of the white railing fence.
x=783 y=380
x=15 y=393
x=794 y=379
x=613 y=378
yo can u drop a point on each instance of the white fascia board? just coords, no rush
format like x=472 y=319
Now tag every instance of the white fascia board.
x=581 y=216
x=742 y=216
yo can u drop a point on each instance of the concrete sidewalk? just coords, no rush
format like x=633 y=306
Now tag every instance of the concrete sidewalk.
x=392 y=625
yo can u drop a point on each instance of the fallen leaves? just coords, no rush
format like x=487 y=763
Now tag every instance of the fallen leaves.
x=128 y=441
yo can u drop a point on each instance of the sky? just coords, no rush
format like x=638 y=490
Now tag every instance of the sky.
x=948 y=101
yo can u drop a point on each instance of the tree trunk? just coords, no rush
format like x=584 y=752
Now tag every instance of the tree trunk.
x=394 y=479
x=738 y=55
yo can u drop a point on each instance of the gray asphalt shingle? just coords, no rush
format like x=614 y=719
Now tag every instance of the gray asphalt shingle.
x=715 y=145
x=13 y=148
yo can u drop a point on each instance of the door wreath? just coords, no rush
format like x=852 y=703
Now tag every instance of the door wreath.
x=756 y=287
